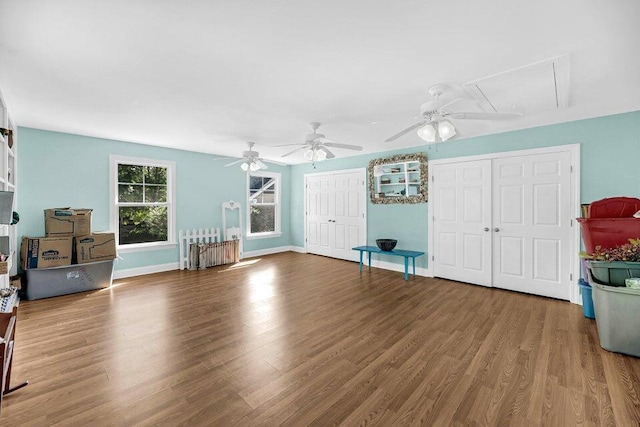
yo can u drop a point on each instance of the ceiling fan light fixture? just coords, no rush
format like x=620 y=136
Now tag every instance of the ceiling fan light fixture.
x=321 y=154
x=244 y=166
x=317 y=148
x=254 y=166
x=446 y=130
x=315 y=155
x=427 y=132
x=308 y=155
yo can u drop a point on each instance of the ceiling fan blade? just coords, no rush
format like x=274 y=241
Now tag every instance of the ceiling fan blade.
x=296 y=150
x=287 y=145
x=347 y=146
x=449 y=104
x=261 y=164
x=329 y=154
x=273 y=161
x=485 y=116
x=407 y=130
x=224 y=158
x=235 y=163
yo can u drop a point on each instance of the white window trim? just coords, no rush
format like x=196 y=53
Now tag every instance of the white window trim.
x=114 y=161
x=278 y=184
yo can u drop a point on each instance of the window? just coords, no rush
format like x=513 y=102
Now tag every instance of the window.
x=142 y=209
x=263 y=204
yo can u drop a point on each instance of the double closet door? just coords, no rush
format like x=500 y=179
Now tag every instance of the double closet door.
x=505 y=222
x=335 y=219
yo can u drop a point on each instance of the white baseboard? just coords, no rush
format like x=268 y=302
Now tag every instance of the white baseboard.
x=269 y=251
x=139 y=271
x=386 y=265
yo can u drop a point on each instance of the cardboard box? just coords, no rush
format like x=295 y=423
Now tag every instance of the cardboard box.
x=16 y=282
x=5 y=266
x=5 y=255
x=95 y=247
x=67 y=222
x=45 y=252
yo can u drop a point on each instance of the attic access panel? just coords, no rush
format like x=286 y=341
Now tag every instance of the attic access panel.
x=533 y=88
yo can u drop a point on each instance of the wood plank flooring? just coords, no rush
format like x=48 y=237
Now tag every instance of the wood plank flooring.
x=295 y=339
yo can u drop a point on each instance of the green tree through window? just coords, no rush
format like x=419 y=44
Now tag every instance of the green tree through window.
x=142 y=204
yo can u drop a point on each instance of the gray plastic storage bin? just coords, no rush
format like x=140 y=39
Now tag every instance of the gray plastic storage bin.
x=618 y=318
x=51 y=282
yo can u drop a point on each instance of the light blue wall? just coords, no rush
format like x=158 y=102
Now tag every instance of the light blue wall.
x=610 y=154
x=58 y=169
x=404 y=222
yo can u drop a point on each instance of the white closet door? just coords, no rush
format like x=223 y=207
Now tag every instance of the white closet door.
x=318 y=214
x=349 y=204
x=335 y=214
x=462 y=220
x=531 y=224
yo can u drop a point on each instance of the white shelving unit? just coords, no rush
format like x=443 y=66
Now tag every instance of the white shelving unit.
x=398 y=179
x=8 y=179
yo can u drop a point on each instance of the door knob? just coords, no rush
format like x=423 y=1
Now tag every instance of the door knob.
x=496 y=229
x=486 y=229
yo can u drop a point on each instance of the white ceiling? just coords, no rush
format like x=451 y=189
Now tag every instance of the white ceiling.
x=208 y=75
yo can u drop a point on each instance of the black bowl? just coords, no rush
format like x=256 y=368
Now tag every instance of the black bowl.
x=386 y=244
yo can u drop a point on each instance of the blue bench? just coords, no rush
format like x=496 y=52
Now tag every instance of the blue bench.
x=397 y=252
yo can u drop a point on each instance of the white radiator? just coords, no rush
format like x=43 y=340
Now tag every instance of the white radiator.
x=187 y=237
x=203 y=255
x=202 y=248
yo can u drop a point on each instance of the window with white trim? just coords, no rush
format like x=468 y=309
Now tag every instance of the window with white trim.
x=263 y=204
x=143 y=209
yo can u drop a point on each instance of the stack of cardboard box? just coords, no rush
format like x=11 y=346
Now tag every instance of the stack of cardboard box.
x=68 y=240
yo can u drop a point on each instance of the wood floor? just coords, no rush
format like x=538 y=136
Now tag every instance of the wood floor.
x=294 y=339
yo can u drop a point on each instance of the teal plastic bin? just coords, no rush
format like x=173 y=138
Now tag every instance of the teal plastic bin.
x=587 y=299
x=613 y=273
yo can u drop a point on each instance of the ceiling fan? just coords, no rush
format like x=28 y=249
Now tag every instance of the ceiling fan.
x=251 y=160
x=434 y=124
x=317 y=146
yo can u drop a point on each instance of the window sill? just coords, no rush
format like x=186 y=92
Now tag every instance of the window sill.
x=263 y=235
x=141 y=247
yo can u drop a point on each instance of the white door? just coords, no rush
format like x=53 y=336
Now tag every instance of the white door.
x=532 y=224
x=349 y=222
x=335 y=214
x=505 y=222
x=319 y=190
x=462 y=219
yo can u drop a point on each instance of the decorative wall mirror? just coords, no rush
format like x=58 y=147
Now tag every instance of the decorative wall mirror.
x=398 y=179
